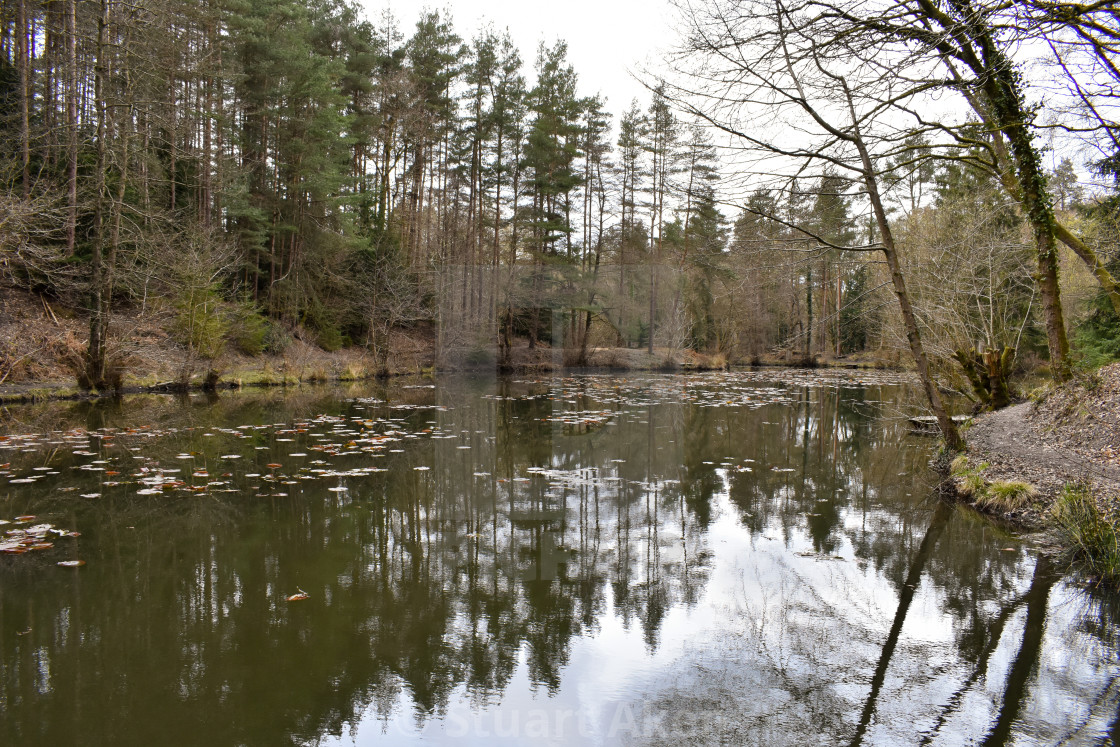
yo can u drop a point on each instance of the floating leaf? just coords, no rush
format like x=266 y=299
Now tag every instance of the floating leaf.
x=298 y=597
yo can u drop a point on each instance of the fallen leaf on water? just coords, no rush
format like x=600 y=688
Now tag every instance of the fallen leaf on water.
x=71 y=563
x=298 y=597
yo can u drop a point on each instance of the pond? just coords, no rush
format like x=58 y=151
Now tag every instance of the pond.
x=753 y=557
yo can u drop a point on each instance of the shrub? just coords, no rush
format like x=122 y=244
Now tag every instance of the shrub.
x=353 y=372
x=480 y=356
x=329 y=338
x=970 y=483
x=276 y=338
x=1092 y=535
x=1096 y=340
x=198 y=325
x=1006 y=495
x=248 y=330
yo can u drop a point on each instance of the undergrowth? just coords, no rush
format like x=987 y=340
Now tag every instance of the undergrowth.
x=1090 y=533
x=992 y=495
x=1007 y=495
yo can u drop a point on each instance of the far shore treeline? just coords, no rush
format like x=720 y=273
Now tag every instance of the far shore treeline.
x=241 y=172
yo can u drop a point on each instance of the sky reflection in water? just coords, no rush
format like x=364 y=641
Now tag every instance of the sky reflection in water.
x=749 y=558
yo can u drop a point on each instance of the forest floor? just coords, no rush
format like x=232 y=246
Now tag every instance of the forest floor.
x=1064 y=444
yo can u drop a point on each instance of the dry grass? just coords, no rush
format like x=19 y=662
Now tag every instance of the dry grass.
x=1006 y=495
x=968 y=480
x=1089 y=529
x=990 y=495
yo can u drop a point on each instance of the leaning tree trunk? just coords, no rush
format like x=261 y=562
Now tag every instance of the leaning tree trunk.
x=948 y=428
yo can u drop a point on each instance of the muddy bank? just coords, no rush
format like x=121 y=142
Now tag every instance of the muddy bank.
x=42 y=344
x=156 y=366
x=1052 y=464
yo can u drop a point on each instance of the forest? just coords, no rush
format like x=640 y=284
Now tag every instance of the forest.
x=893 y=212
x=930 y=184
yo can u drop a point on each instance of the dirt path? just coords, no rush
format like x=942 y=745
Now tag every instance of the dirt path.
x=1018 y=445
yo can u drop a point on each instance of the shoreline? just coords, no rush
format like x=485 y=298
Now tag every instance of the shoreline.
x=1052 y=466
x=354 y=365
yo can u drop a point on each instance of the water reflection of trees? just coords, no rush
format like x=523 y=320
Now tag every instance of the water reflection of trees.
x=423 y=583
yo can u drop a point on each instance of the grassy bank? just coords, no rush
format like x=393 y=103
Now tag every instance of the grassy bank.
x=1053 y=465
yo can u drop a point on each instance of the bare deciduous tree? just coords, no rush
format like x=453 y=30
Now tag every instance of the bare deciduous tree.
x=793 y=106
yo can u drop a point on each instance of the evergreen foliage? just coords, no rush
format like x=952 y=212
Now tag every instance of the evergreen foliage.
x=250 y=168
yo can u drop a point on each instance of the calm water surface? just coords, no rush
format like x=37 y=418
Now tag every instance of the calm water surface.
x=746 y=558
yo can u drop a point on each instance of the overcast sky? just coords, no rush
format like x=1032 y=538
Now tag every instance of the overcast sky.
x=606 y=38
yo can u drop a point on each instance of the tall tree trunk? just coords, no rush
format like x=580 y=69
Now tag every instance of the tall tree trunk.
x=496 y=255
x=96 y=356
x=948 y=428
x=1007 y=112
x=72 y=125
x=51 y=68
x=22 y=63
x=1056 y=339
x=652 y=302
x=206 y=161
x=809 y=313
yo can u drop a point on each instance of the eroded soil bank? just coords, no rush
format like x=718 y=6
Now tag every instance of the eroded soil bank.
x=1028 y=461
x=41 y=347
